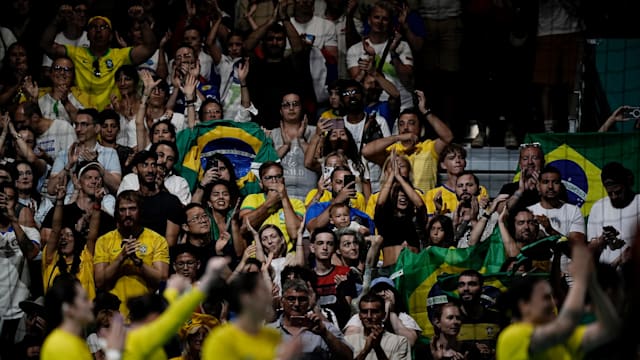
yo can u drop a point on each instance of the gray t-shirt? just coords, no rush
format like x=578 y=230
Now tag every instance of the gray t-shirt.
x=297 y=178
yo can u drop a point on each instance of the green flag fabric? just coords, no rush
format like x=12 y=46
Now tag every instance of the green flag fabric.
x=244 y=144
x=580 y=158
x=416 y=274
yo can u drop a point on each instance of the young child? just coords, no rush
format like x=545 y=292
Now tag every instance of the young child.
x=440 y=232
x=340 y=218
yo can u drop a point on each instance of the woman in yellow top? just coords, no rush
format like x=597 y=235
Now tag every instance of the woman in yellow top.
x=69 y=312
x=66 y=251
x=539 y=333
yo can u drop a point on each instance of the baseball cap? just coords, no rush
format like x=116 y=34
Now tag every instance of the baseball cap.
x=89 y=165
x=382 y=280
x=35 y=306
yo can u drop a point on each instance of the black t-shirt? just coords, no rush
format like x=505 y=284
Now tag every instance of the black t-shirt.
x=72 y=213
x=159 y=208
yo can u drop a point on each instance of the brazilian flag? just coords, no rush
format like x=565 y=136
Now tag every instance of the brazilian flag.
x=580 y=158
x=417 y=275
x=244 y=144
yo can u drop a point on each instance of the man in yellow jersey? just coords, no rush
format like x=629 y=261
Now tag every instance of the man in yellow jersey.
x=442 y=199
x=95 y=66
x=538 y=333
x=131 y=260
x=273 y=205
x=423 y=154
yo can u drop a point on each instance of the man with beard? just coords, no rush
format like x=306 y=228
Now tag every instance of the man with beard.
x=480 y=324
x=423 y=154
x=519 y=229
x=175 y=184
x=364 y=128
x=282 y=74
x=614 y=221
x=131 y=260
x=466 y=214
x=555 y=216
x=524 y=192
x=374 y=342
x=160 y=211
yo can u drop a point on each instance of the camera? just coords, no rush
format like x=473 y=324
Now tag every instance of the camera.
x=631 y=113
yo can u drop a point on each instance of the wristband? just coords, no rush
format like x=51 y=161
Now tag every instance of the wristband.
x=112 y=354
x=486 y=216
x=190 y=102
x=427 y=112
x=200 y=186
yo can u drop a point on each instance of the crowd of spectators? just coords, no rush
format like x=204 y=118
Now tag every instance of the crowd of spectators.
x=108 y=252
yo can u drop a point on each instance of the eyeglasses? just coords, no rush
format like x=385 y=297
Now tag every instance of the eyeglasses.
x=272 y=177
x=96 y=68
x=198 y=218
x=186 y=264
x=350 y=92
x=292 y=299
x=289 y=104
x=59 y=68
x=528 y=145
x=25 y=173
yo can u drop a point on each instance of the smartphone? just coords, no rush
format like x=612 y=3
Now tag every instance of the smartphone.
x=326 y=172
x=337 y=123
x=301 y=321
x=310 y=38
x=350 y=179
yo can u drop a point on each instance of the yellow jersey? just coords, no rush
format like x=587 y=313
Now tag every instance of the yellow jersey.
x=514 y=341
x=229 y=342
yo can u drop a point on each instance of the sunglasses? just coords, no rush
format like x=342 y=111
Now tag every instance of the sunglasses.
x=528 y=145
x=96 y=68
x=59 y=68
x=350 y=92
x=288 y=104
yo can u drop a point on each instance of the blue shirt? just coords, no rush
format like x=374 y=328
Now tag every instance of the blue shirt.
x=356 y=215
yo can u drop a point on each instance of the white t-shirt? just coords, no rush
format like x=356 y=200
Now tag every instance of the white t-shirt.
x=14 y=273
x=58 y=138
x=625 y=220
x=341 y=32
x=323 y=30
x=357 y=131
x=49 y=106
x=152 y=62
x=553 y=19
x=6 y=39
x=174 y=184
x=566 y=219
x=356 y=52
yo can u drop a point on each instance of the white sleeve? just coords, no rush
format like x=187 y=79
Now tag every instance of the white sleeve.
x=353 y=55
x=595 y=222
x=405 y=53
x=577 y=221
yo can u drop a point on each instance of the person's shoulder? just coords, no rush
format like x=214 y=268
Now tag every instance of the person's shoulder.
x=341 y=270
x=150 y=234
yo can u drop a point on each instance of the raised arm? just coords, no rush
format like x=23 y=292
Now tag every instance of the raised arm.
x=445 y=135
x=608 y=323
x=142 y=135
x=481 y=224
x=510 y=246
x=56 y=224
x=212 y=46
x=47 y=42
x=561 y=328
x=141 y=53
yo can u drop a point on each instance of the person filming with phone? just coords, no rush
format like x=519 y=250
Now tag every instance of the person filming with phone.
x=320 y=338
x=614 y=220
x=343 y=190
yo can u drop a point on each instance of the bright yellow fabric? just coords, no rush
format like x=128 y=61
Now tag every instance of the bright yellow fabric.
x=513 y=344
x=61 y=345
x=97 y=90
x=85 y=272
x=357 y=203
x=449 y=199
x=146 y=342
x=153 y=248
x=254 y=201
x=424 y=163
x=228 y=342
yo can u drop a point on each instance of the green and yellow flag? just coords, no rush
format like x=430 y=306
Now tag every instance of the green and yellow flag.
x=581 y=156
x=418 y=273
x=244 y=144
